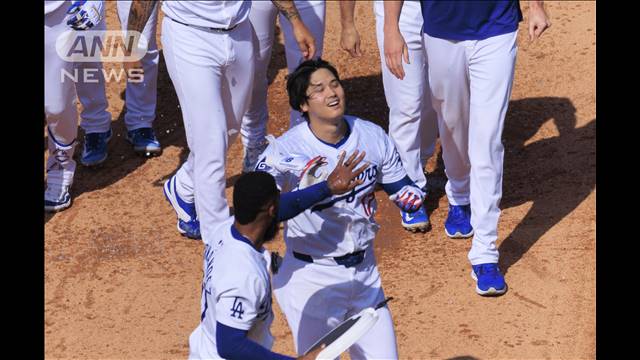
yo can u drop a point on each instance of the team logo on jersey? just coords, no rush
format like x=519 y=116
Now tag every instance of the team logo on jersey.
x=370 y=175
x=262 y=165
x=236 y=309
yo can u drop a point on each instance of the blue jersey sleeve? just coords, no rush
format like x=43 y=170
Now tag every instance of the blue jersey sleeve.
x=295 y=202
x=233 y=344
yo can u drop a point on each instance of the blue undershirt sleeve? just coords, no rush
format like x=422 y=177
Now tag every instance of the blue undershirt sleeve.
x=233 y=344
x=394 y=187
x=295 y=202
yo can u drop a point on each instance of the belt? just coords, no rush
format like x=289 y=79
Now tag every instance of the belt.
x=348 y=260
x=204 y=27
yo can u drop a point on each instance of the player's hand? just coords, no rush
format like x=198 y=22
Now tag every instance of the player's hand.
x=312 y=355
x=85 y=14
x=304 y=38
x=409 y=198
x=350 y=41
x=538 y=20
x=343 y=178
x=395 y=50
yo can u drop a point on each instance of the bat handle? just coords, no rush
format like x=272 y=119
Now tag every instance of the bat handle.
x=383 y=303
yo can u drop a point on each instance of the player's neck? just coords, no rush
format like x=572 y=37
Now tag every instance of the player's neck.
x=329 y=131
x=251 y=232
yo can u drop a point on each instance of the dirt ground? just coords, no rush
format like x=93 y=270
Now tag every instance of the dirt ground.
x=121 y=283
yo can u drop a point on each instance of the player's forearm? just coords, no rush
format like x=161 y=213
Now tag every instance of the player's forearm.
x=295 y=202
x=288 y=9
x=347 y=9
x=233 y=344
x=139 y=14
x=536 y=4
x=392 y=11
x=393 y=188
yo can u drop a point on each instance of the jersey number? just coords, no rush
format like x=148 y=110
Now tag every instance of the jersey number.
x=236 y=309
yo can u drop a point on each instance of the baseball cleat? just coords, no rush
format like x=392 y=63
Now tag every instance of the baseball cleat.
x=489 y=279
x=188 y=224
x=415 y=221
x=144 y=141
x=56 y=198
x=458 y=223
x=94 y=151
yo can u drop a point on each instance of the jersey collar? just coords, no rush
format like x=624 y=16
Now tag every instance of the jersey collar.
x=339 y=143
x=236 y=234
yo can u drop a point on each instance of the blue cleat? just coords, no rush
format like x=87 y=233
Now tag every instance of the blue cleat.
x=489 y=280
x=415 y=221
x=94 y=151
x=56 y=198
x=458 y=223
x=188 y=224
x=144 y=141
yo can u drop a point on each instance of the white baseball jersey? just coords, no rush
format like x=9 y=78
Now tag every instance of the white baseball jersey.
x=344 y=223
x=212 y=14
x=236 y=291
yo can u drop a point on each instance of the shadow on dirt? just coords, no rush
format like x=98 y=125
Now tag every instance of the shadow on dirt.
x=556 y=174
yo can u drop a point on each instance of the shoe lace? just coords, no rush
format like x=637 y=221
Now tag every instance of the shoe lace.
x=457 y=214
x=488 y=269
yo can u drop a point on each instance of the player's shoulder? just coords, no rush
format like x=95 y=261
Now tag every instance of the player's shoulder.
x=364 y=126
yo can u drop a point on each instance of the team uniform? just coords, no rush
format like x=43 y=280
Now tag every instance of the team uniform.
x=329 y=271
x=209 y=52
x=60 y=108
x=471 y=49
x=236 y=292
x=140 y=98
x=263 y=18
x=409 y=99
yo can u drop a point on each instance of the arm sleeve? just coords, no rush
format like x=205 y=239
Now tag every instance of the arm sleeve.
x=233 y=344
x=295 y=202
x=394 y=187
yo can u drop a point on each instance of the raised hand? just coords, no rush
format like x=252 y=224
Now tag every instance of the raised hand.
x=343 y=178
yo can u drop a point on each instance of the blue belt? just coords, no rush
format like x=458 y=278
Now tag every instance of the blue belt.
x=348 y=260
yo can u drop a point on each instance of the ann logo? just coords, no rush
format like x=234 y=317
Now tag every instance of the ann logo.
x=236 y=309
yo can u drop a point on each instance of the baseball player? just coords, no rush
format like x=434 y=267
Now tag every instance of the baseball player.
x=471 y=49
x=409 y=100
x=209 y=51
x=329 y=271
x=263 y=18
x=140 y=100
x=61 y=17
x=236 y=291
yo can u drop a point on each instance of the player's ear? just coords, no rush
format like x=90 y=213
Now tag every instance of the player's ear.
x=304 y=107
x=272 y=209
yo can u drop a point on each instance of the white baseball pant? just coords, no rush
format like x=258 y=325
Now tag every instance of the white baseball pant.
x=316 y=298
x=212 y=72
x=59 y=102
x=413 y=125
x=140 y=98
x=263 y=18
x=471 y=86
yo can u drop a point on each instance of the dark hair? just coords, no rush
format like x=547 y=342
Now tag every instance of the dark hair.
x=298 y=82
x=251 y=193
